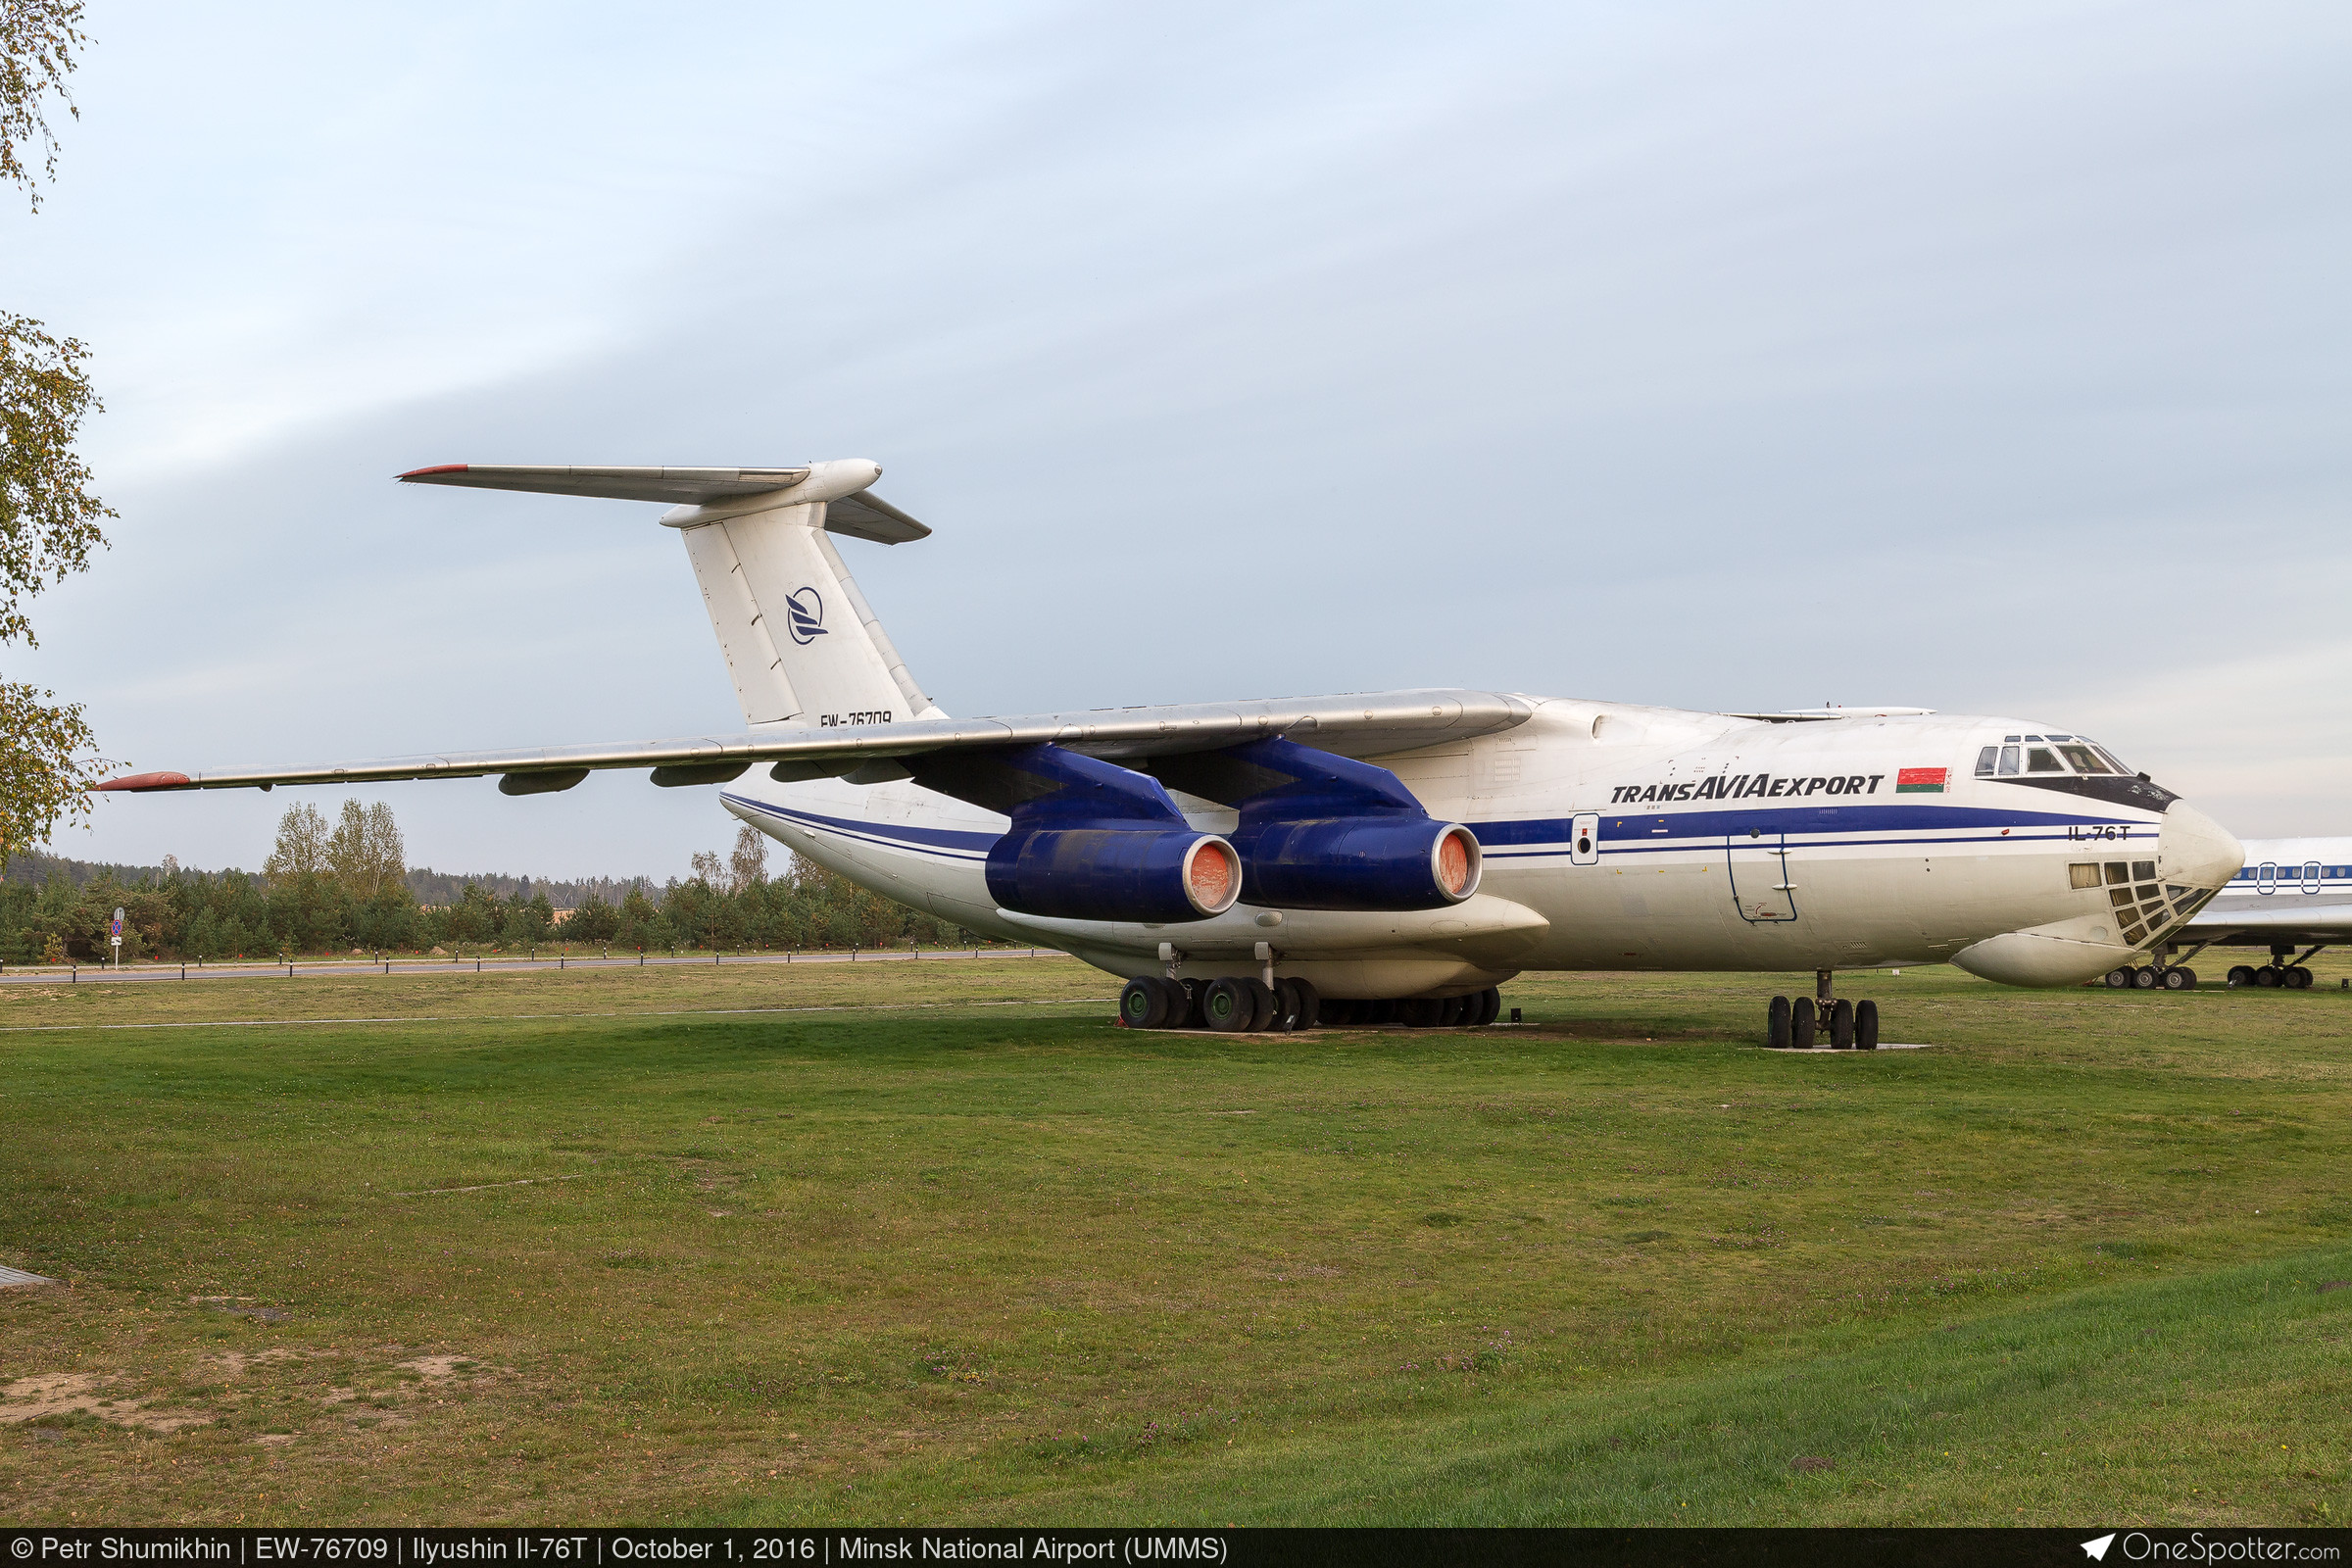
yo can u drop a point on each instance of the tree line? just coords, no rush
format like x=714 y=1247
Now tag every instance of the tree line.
x=332 y=889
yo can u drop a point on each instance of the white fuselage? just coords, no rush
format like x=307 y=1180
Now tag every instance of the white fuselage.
x=1619 y=837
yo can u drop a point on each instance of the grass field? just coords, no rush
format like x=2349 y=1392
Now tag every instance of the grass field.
x=937 y=1243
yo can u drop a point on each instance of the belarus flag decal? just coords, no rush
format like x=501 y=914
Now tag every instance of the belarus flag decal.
x=1920 y=780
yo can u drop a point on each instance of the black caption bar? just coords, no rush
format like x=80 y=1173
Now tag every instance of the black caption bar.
x=807 y=1548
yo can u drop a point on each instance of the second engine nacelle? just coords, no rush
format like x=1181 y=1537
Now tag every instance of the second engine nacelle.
x=1359 y=862
x=1147 y=874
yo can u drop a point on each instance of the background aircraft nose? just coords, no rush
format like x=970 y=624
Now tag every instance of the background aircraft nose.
x=2195 y=851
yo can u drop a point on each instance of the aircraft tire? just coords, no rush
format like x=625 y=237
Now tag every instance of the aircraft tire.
x=2119 y=978
x=1143 y=1004
x=2179 y=979
x=1263 y=1005
x=1191 y=1017
x=1309 y=1011
x=1842 y=1025
x=1379 y=1011
x=2240 y=974
x=1866 y=1026
x=1490 y=1006
x=1341 y=1012
x=1417 y=1012
x=2298 y=978
x=2267 y=977
x=1227 y=1005
x=1776 y=1024
x=1801 y=1025
x=2144 y=978
x=1452 y=1012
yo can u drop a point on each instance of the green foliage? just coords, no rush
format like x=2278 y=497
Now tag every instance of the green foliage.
x=232 y=914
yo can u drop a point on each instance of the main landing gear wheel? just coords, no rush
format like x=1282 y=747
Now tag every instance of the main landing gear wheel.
x=2180 y=979
x=2143 y=978
x=1262 y=1005
x=2119 y=978
x=1841 y=1026
x=2240 y=974
x=1417 y=1012
x=1143 y=1004
x=1866 y=1026
x=1488 y=1007
x=1307 y=1003
x=2267 y=975
x=1801 y=1025
x=2297 y=978
x=1776 y=1024
x=1228 y=1004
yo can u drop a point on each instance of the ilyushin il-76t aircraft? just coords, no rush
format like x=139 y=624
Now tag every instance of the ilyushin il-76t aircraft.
x=1391 y=855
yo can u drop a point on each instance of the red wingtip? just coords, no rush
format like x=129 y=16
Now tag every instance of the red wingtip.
x=446 y=468
x=145 y=781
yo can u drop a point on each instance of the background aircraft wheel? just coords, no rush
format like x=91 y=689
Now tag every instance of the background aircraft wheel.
x=1262 y=1005
x=2298 y=978
x=1801 y=1024
x=1842 y=1025
x=2120 y=979
x=1344 y=1013
x=1417 y=1012
x=1452 y=1010
x=2241 y=974
x=2144 y=978
x=1227 y=1005
x=2267 y=976
x=1309 y=1009
x=1143 y=1004
x=1776 y=1024
x=1866 y=1026
x=1379 y=1011
x=2180 y=979
x=1490 y=1006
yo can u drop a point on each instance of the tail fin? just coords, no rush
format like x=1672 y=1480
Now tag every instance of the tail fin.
x=800 y=640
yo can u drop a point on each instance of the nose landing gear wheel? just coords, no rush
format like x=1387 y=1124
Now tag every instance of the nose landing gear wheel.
x=1776 y=1024
x=1866 y=1026
x=1801 y=1026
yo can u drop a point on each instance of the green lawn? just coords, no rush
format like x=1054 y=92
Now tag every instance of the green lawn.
x=947 y=1247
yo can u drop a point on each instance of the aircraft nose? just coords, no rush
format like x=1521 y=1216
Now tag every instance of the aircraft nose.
x=2194 y=850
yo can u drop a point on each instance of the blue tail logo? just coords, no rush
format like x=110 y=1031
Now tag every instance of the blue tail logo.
x=806 y=613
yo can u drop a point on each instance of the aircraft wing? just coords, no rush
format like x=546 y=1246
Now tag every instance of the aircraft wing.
x=2286 y=919
x=1375 y=724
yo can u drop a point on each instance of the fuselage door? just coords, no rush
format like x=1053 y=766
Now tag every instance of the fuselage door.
x=1762 y=889
x=2266 y=877
x=1583 y=841
x=2310 y=876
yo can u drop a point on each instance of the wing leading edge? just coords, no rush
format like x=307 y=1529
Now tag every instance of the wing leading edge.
x=1378 y=725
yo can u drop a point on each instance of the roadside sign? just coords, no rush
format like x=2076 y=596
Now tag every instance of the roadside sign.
x=117 y=934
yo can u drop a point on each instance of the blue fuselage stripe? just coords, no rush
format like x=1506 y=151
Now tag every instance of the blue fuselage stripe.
x=1819 y=826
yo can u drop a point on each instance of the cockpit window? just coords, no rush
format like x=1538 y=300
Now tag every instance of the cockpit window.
x=2049 y=754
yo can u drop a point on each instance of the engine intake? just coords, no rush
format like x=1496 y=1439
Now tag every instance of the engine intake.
x=1114 y=875
x=1360 y=862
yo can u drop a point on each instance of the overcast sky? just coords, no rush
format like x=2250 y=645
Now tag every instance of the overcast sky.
x=1990 y=357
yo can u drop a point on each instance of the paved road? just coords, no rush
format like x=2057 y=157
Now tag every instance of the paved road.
x=328 y=968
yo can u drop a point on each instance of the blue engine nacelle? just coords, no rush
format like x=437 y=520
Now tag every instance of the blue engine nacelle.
x=1121 y=873
x=1358 y=862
